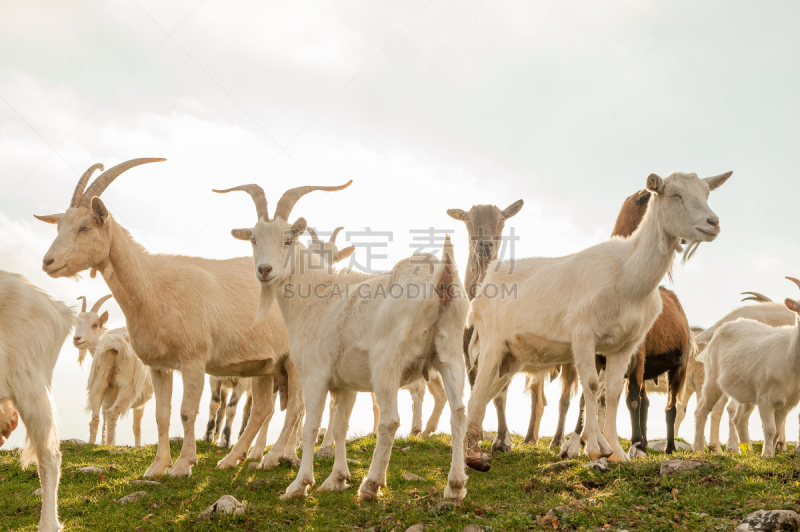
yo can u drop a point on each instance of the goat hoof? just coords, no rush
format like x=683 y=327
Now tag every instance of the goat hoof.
x=425 y=434
x=478 y=461
x=229 y=462
x=637 y=452
x=415 y=432
x=365 y=497
x=781 y=447
x=500 y=447
x=157 y=469
x=455 y=494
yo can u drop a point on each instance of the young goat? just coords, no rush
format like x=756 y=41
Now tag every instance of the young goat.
x=118 y=382
x=753 y=364
x=33 y=328
x=666 y=349
x=766 y=312
x=89 y=327
x=485 y=225
x=189 y=314
x=600 y=300
x=360 y=333
x=417 y=388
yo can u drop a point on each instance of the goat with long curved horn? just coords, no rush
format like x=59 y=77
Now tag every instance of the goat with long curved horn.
x=98 y=304
x=291 y=196
x=795 y=281
x=314 y=238
x=257 y=193
x=335 y=234
x=83 y=305
x=755 y=296
x=105 y=179
x=82 y=182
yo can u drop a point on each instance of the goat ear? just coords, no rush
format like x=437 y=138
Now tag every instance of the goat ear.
x=457 y=214
x=298 y=228
x=99 y=210
x=792 y=305
x=49 y=218
x=644 y=197
x=242 y=234
x=655 y=184
x=512 y=209
x=103 y=318
x=344 y=253
x=718 y=180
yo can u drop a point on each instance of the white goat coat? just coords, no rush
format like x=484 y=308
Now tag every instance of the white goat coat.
x=33 y=328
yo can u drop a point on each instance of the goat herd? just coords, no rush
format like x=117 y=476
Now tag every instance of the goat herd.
x=598 y=317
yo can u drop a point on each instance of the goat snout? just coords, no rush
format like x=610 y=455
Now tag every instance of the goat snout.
x=264 y=271
x=713 y=221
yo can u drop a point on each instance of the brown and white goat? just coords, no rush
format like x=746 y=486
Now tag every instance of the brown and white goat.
x=189 y=314
x=33 y=328
x=667 y=348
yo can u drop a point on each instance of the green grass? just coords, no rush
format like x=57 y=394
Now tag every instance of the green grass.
x=512 y=496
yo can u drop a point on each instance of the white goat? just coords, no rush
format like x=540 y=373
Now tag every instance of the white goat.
x=89 y=327
x=189 y=314
x=417 y=388
x=33 y=328
x=118 y=382
x=601 y=300
x=220 y=388
x=755 y=364
x=360 y=333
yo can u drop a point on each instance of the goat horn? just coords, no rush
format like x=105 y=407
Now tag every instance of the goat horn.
x=83 y=305
x=103 y=180
x=314 y=237
x=755 y=296
x=335 y=234
x=81 y=186
x=100 y=301
x=290 y=197
x=795 y=281
x=257 y=193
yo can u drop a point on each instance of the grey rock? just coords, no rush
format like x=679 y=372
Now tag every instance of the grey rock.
x=444 y=505
x=351 y=461
x=224 y=505
x=558 y=466
x=770 y=521
x=473 y=528
x=89 y=470
x=133 y=497
x=37 y=493
x=553 y=513
x=75 y=441
x=415 y=528
x=325 y=452
x=151 y=482
x=670 y=467
x=176 y=438
x=601 y=464
x=411 y=476
x=254 y=465
x=661 y=445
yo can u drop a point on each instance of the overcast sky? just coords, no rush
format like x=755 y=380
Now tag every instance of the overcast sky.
x=426 y=105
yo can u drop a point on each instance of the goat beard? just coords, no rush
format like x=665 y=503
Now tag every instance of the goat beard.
x=81 y=356
x=689 y=250
x=265 y=302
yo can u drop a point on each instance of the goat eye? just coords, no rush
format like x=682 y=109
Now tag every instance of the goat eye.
x=677 y=196
x=83 y=229
x=94 y=326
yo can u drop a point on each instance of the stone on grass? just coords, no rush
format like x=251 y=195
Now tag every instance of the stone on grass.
x=661 y=445
x=670 y=467
x=770 y=521
x=416 y=528
x=152 y=482
x=325 y=452
x=133 y=497
x=176 y=438
x=601 y=464
x=444 y=505
x=37 y=493
x=411 y=476
x=224 y=505
x=558 y=466
x=75 y=441
x=553 y=512
x=473 y=528
x=89 y=470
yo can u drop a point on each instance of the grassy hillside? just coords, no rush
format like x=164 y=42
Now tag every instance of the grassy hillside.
x=512 y=496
